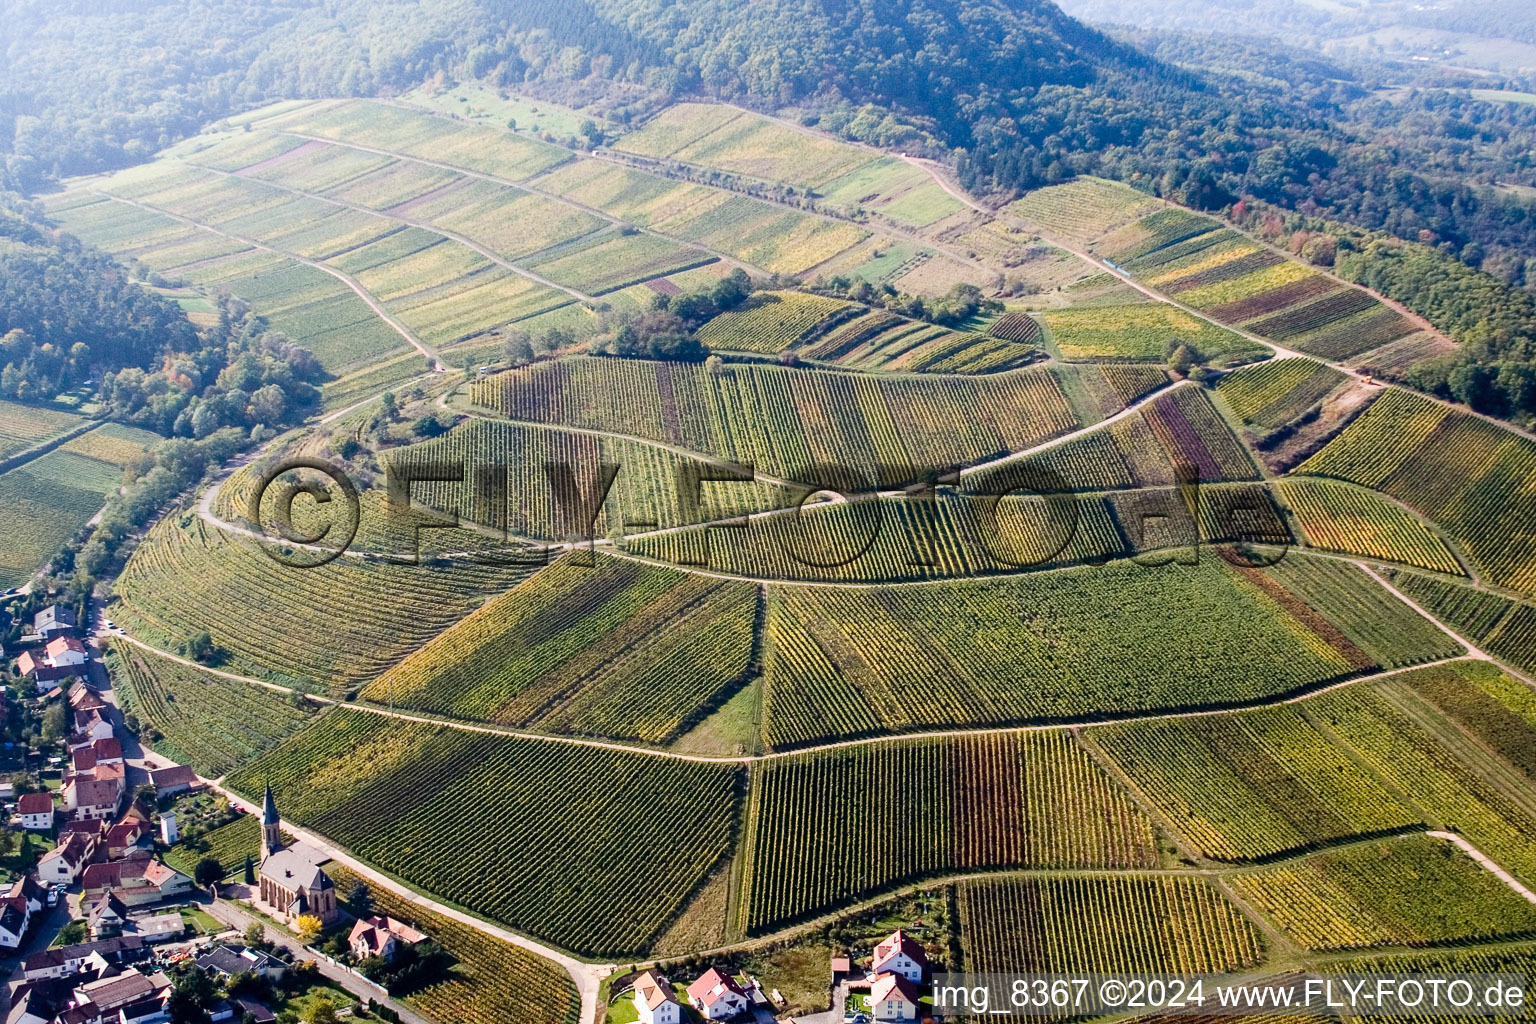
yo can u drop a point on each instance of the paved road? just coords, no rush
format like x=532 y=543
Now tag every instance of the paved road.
x=232 y=915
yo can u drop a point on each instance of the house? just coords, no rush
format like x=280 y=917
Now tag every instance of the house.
x=290 y=880
x=126 y=837
x=92 y=799
x=153 y=1010
x=231 y=960
x=29 y=1007
x=170 y=781
x=65 y=652
x=717 y=996
x=110 y=994
x=90 y=726
x=893 y=997
x=15 y=915
x=900 y=954
x=36 y=811
x=160 y=927
x=28 y=889
x=655 y=1001
x=83 y=698
x=64 y=862
x=54 y=621
x=62 y=961
x=136 y=881
x=381 y=937
x=108 y=750
x=43 y=674
x=260 y=1012
x=107 y=917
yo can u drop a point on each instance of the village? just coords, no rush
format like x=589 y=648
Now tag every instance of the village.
x=122 y=919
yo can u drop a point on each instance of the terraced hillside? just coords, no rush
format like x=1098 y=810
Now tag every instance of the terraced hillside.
x=1105 y=662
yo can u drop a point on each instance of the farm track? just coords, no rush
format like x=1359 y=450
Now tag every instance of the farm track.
x=627 y=748
x=345 y=279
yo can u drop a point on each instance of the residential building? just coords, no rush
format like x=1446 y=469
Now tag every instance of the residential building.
x=36 y=810
x=63 y=961
x=381 y=937
x=92 y=799
x=65 y=652
x=64 y=862
x=55 y=621
x=174 y=780
x=136 y=881
x=30 y=890
x=159 y=927
x=15 y=915
x=107 y=916
x=231 y=960
x=655 y=1000
x=901 y=954
x=127 y=837
x=894 y=998
x=290 y=880
x=717 y=996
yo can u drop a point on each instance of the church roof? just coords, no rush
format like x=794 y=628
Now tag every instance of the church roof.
x=269 y=815
x=293 y=871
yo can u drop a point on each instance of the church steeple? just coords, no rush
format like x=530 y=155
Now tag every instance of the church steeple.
x=271 y=825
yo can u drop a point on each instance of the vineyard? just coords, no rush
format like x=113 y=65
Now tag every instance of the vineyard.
x=1473 y=478
x=513 y=480
x=1236 y=281
x=1120 y=925
x=492 y=981
x=935 y=807
x=228 y=844
x=1338 y=517
x=342 y=622
x=773 y=322
x=1412 y=892
x=791 y=423
x=1096 y=641
x=24 y=426
x=1177 y=436
x=206 y=721
x=1084 y=208
x=881 y=341
x=1486 y=703
x=44 y=501
x=1145 y=331
x=617 y=649
x=1438 y=778
x=1251 y=784
x=541 y=836
x=1271 y=394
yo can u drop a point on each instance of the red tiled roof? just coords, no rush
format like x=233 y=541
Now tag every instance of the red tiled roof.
x=712 y=986
x=35 y=803
x=59 y=644
x=893 y=986
x=108 y=748
x=899 y=942
x=26 y=663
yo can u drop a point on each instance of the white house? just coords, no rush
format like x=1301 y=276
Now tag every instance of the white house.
x=36 y=811
x=655 y=1001
x=15 y=914
x=381 y=937
x=893 y=998
x=901 y=954
x=63 y=863
x=717 y=996
x=65 y=652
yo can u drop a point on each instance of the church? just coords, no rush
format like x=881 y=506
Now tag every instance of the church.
x=291 y=880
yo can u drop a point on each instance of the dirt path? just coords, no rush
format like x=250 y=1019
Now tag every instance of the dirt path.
x=345 y=279
x=626 y=748
x=1488 y=864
